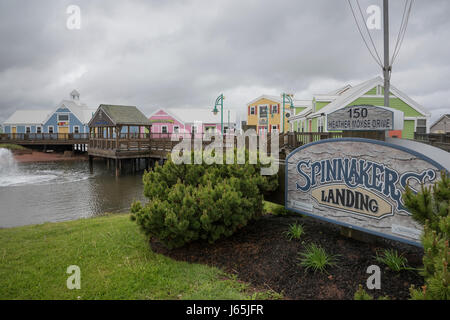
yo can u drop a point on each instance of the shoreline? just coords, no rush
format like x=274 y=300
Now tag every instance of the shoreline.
x=38 y=156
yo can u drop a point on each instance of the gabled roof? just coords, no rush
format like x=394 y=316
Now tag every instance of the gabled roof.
x=25 y=117
x=301 y=114
x=204 y=115
x=296 y=102
x=80 y=110
x=440 y=118
x=355 y=92
x=123 y=115
x=265 y=96
x=339 y=91
x=166 y=111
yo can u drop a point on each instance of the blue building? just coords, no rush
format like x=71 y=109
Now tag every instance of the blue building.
x=70 y=116
x=26 y=121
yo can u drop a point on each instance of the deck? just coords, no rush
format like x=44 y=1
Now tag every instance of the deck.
x=45 y=138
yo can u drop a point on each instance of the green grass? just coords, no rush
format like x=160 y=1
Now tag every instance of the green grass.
x=393 y=260
x=295 y=231
x=316 y=258
x=274 y=208
x=115 y=261
x=12 y=146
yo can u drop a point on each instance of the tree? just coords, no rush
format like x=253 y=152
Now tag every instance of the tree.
x=200 y=202
x=431 y=208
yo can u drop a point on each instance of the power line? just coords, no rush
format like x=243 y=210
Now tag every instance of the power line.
x=368 y=32
x=402 y=31
x=378 y=61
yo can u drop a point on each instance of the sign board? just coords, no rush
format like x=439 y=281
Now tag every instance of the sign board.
x=361 y=117
x=359 y=183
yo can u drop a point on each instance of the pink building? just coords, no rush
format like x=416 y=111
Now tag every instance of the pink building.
x=191 y=120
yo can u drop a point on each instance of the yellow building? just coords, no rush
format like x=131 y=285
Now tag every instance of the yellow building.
x=265 y=113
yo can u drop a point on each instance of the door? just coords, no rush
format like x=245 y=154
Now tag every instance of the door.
x=13 y=131
x=63 y=132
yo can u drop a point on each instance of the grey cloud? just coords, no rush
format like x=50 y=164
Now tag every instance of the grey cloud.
x=184 y=53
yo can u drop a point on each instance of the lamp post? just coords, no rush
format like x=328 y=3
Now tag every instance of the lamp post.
x=287 y=97
x=219 y=101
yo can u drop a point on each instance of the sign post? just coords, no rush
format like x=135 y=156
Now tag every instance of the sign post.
x=358 y=183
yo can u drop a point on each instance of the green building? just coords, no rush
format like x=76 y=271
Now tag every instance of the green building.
x=371 y=92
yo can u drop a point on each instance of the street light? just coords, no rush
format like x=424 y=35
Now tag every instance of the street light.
x=219 y=101
x=287 y=97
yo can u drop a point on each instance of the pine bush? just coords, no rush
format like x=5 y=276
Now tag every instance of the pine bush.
x=431 y=208
x=189 y=202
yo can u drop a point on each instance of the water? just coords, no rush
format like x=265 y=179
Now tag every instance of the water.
x=32 y=193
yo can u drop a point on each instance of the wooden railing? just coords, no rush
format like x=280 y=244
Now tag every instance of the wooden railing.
x=297 y=139
x=160 y=141
x=439 y=140
x=43 y=137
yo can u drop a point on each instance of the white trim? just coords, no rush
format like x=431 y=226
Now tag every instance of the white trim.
x=27 y=127
x=164 y=126
x=37 y=129
x=53 y=129
x=359 y=92
x=73 y=129
x=271 y=98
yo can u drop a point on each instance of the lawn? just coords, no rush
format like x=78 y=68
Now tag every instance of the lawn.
x=12 y=146
x=115 y=262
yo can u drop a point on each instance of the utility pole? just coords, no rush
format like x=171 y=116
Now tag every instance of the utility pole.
x=386 y=68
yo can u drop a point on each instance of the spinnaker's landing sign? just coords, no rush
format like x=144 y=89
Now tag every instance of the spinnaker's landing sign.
x=359 y=183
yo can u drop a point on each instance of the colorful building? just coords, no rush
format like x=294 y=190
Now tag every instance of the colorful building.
x=70 y=116
x=26 y=121
x=265 y=113
x=191 y=120
x=371 y=92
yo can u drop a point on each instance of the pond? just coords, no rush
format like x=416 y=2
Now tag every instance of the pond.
x=32 y=193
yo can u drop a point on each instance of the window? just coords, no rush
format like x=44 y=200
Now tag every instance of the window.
x=163 y=129
x=38 y=130
x=274 y=127
x=252 y=110
x=421 y=126
x=63 y=117
x=76 y=129
x=263 y=112
x=50 y=129
x=320 y=122
x=274 y=109
x=27 y=129
x=176 y=129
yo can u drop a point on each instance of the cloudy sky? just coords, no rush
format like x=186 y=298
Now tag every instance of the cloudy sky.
x=182 y=53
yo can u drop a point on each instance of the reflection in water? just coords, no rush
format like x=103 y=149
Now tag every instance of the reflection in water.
x=45 y=192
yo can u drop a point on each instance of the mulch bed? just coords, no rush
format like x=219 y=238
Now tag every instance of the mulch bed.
x=261 y=255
